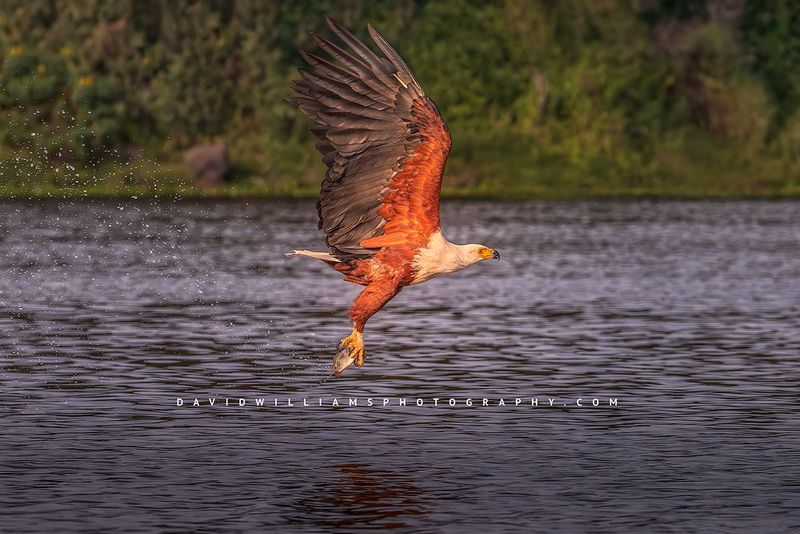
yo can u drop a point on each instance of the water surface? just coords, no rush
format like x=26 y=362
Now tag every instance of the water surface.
x=686 y=313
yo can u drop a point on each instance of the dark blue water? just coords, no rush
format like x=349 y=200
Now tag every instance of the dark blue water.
x=684 y=314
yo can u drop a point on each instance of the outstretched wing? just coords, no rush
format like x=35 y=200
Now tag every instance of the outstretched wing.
x=384 y=143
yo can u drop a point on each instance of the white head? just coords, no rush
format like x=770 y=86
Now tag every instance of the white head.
x=442 y=257
x=473 y=253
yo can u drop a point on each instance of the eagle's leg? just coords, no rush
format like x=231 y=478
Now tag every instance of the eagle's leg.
x=365 y=305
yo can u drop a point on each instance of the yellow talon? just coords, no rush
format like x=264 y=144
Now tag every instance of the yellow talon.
x=360 y=353
x=355 y=342
x=352 y=351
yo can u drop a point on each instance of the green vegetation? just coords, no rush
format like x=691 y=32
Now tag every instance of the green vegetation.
x=546 y=99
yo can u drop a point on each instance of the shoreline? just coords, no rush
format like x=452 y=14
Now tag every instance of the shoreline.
x=239 y=193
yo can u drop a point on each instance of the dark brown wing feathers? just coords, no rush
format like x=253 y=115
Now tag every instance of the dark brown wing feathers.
x=383 y=141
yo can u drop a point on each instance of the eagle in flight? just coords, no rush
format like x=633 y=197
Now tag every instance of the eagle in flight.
x=385 y=145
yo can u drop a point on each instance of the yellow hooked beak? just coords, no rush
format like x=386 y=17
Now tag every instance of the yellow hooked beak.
x=487 y=253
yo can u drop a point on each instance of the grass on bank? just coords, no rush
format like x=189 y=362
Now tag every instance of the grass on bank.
x=697 y=169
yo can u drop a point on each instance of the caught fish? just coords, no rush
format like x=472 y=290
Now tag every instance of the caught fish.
x=343 y=360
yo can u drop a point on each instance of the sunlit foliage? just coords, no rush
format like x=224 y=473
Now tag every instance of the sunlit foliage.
x=578 y=96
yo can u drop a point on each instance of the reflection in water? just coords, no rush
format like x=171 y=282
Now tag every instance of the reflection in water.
x=685 y=312
x=360 y=495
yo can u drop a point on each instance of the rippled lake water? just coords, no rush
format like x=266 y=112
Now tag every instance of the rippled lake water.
x=685 y=313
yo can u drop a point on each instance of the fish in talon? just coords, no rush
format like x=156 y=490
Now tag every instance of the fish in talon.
x=342 y=361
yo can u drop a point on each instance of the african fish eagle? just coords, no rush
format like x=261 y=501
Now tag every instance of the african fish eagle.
x=385 y=145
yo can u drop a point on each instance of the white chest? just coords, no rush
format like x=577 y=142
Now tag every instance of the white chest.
x=438 y=257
